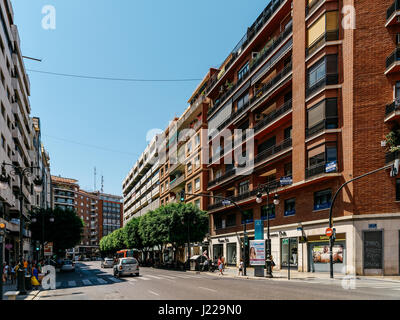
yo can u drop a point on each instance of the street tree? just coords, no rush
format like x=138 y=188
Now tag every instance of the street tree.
x=132 y=237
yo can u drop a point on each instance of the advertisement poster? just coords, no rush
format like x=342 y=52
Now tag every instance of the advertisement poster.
x=321 y=254
x=257 y=252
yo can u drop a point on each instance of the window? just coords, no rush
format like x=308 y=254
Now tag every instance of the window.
x=218 y=223
x=243 y=71
x=189 y=167
x=327 y=23
x=397 y=189
x=266 y=145
x=197 y=140
x=197 y=184
x=197 y=161
x=316 y=73
x=322 y=199
x=189 y=187
x=189 y=147
x=247 y=216
x=242 y=101
x=265 y=210
x=244 y=187
x=197 y=203
x=288 y=169
x=290 y=207
x=396 y=90
x=288 y=133
x=231 y=220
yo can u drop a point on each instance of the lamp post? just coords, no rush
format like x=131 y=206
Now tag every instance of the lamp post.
x=22 y=173
x=188 y=226
x=51 y=220
x=267 y=189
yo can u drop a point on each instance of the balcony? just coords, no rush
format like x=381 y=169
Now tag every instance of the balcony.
x=17 y=159
x=392 y=111
x=331 y=123
x=260 y=22
x=326 y=37
x=321 y=168
x=225 y=176
x=266 y=154
x=393 y=62
x=392 y=14
x=262 y=124
x=177 y=183
x=330 y=79
x=312 y=6
x=391 y=156
x=264 y=55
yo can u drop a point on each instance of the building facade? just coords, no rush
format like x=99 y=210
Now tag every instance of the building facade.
x=141 y=186
x=312 y=84
x=110 y=214
x=16 y=137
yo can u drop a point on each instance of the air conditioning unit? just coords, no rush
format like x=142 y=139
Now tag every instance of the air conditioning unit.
x=254 y=55
x=258 y=117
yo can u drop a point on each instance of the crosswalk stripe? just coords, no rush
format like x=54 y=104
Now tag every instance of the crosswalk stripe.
x=182 y=277
x=143 y=278
x=155 y=277
x=101 y=281
x=132 y=280
x=113 y=279
x=169 y=277
x=86 y=282
x=72 y=283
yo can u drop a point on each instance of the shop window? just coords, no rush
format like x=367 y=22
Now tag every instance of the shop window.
x=322 y=199
x=290 y=207
x=244 y=187
x=247 y=216
x=289 y=255
x=231 y=220
x=231 y=254
x=268 y=209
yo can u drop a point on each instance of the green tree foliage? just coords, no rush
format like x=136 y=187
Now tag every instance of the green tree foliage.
x=65 y=232
x=132 y=237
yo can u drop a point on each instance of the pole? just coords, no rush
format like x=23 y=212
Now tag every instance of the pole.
x=244 y=249
x=269 y=271
x=188 y=261
x=43 y=235
x=21 y=270
x=1 y=264
x=289 y=260
x=332 y=240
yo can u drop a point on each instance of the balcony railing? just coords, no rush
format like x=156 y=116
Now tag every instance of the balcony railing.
x=248 y=37
x=318 y=169
x=273 y=116
x=227 y=175
x=312 y=5
x=329 y=79
x=327 y=36
x=177 y=182
x=394 y=7
x=395 y=56
x=391 y=156
x=394 y=106
x=261 y=92
x=273 y=150
x=331 y=123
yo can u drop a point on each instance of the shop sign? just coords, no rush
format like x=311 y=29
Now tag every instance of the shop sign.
x=286 y=181
x=257 y=252
x=373 y=226
x=48 y=249
x=285 y=241
x=321 y=254
x=9 y=246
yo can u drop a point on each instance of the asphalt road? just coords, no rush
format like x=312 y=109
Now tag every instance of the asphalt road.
x=90 y=282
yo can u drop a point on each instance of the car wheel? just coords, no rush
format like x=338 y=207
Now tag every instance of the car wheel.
x=137 y=274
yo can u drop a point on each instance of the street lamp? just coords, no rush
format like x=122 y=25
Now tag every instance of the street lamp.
x=267 y=188
x=188 y=225
x=34 y=220
x=4 y=183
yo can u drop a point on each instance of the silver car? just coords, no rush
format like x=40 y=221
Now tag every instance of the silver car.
x=107 y=263
x=126 y=266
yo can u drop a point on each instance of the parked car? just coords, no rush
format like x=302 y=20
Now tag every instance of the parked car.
x=126 y=266
x=99 y=259
x=107 y=263
x=86 y=259
x=68 y=265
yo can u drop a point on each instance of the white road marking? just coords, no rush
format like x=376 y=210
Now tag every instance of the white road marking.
x=144 y=278
x=86 y=282
x=212 y=290
x=155 y=277
x=169 y=277
x=113 y=279
x=132 y=280
x=72 y=283
x=101 y=281
x=183 y=277
x=156 y=294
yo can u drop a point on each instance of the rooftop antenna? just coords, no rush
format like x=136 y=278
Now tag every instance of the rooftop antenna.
x=94 y=179
x=102 y=184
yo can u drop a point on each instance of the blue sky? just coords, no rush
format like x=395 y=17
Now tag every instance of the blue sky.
x=131 y=39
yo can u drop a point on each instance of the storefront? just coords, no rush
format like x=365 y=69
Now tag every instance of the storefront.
x=319 y=257
x=218 y=250
x=289 y=250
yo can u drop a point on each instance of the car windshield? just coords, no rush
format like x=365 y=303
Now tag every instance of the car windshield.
x=129 y=261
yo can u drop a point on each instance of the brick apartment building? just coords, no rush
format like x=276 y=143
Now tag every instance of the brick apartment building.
x=314 y=90
x=101 y=213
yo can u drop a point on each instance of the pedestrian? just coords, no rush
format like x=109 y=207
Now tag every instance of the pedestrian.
x=35 y=277
x=220 y=266
x=205 y=265
x=272 y=263
x=241 y=265
x=13 y=274
x=3 y=273
x=6 y=272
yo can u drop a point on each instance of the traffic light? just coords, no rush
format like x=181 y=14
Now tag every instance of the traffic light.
x=395 y=168
x=182 y=196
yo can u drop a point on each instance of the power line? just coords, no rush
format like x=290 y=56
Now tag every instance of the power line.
x=110 y=78
x=92 y=146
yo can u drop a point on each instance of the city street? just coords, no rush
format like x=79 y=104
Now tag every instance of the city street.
x=90 y=282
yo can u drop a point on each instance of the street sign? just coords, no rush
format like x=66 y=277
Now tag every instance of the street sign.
x=226 y=202
x=48 y=249
x=285 y=241
x=329 y=232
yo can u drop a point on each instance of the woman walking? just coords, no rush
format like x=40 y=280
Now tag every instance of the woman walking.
x=220 y=266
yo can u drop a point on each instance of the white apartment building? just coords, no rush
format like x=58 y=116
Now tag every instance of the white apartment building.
x=141 y=186
x=16 y=134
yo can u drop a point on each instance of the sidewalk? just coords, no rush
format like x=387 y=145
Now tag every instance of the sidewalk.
x=13 y=287
x=296 y=275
